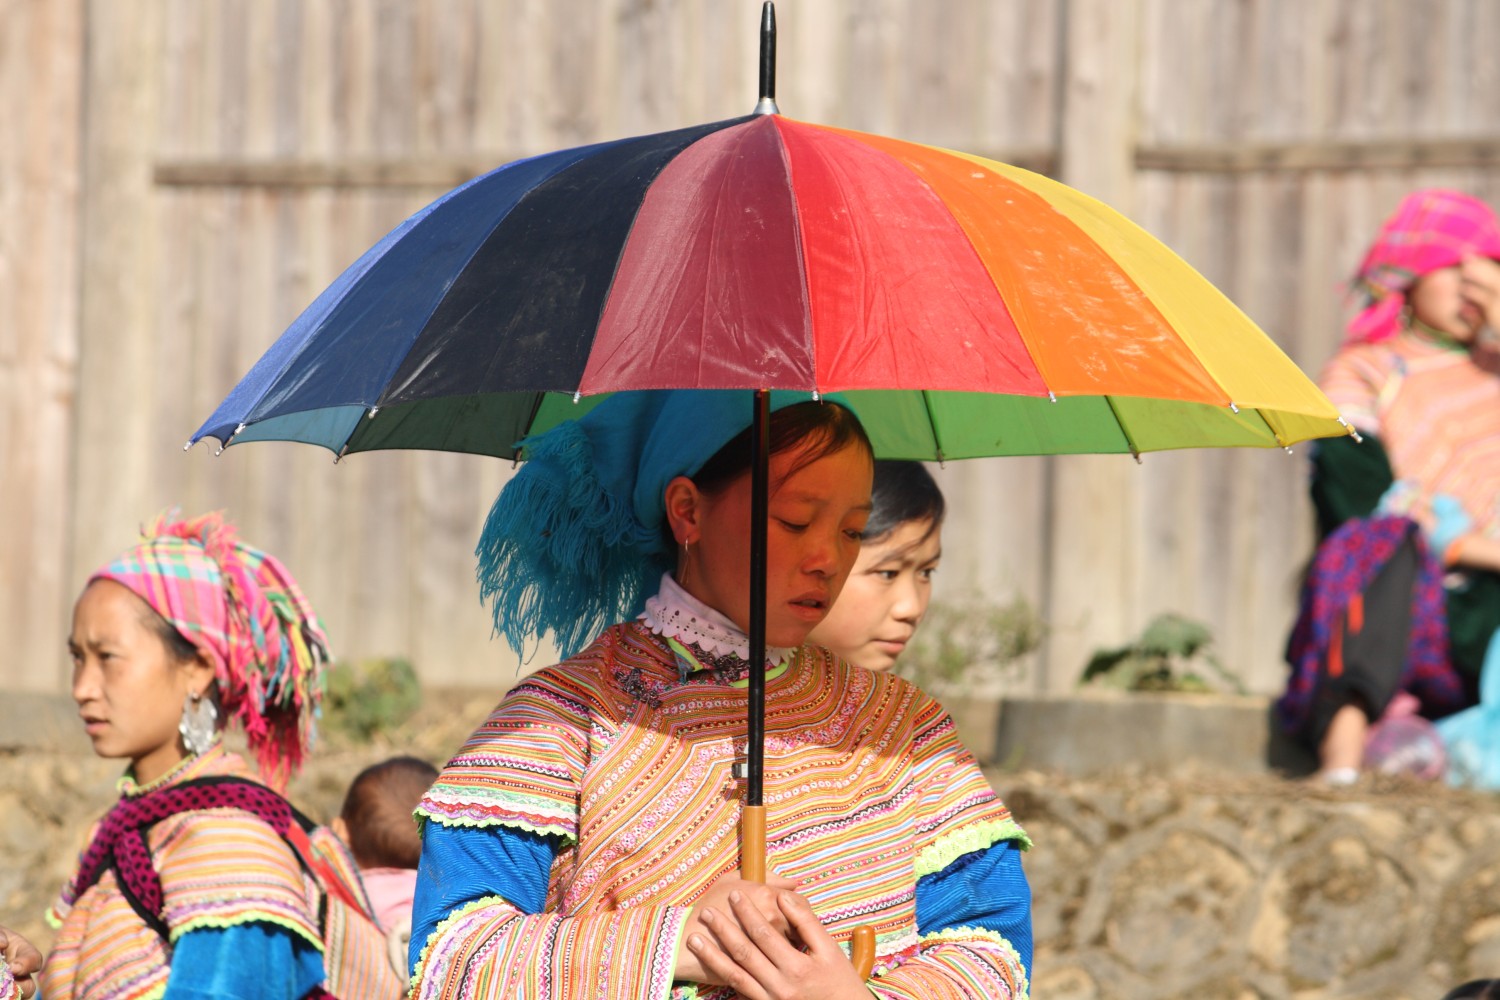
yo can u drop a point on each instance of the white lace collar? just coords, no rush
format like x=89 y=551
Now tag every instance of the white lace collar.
x=676 y=614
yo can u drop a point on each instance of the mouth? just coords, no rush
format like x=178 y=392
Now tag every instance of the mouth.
x=809 y=606
x=93 y=726
x=892 y=646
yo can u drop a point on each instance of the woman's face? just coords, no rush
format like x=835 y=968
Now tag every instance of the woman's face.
x=129 y=687
x=1438 y=300
x=885 y=598
x=817 y=513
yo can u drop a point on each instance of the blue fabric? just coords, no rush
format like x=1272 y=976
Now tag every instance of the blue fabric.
x=398 y=279
x=254 y=961
x=1472 y=737
x=462 y=864
x=575 y=542
x=985 y=889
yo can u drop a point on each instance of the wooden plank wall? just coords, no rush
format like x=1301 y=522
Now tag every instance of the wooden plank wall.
x=162 y=281
x=41 y=52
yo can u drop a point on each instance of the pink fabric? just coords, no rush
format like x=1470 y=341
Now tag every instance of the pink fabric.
x=245 y=613
x=390 y=891
x=1432 y=228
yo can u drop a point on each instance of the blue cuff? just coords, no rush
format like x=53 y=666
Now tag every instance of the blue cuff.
x=461 y=864
x=985 y=889
x=253 y=961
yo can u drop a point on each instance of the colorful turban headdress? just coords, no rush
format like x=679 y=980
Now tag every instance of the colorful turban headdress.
x=576 y=541
x=243 y=611
x=1431 y=229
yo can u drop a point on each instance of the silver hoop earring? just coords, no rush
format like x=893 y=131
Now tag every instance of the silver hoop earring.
x=197 y=725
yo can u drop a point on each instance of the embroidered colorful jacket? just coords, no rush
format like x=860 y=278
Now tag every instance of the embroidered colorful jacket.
x=626 y=764
x=219 y=869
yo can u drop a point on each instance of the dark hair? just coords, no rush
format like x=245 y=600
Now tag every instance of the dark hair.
x=1478 y=989
x=378 y=808
x=827 y=427
x=903 y=491
x=177 y=644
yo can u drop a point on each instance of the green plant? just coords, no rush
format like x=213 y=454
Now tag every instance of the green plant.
x=971 y=640
x=371 y=696
x=1167 y=656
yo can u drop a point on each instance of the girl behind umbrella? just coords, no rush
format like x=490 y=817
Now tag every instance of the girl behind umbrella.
x=584 y=841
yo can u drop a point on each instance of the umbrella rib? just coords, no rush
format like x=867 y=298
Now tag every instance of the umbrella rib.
x=1125 y=431
x=937 y=441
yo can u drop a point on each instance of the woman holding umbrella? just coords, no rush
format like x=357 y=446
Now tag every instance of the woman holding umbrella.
x=583 y=841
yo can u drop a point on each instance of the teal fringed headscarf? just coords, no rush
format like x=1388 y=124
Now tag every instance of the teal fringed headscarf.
x=575 y=541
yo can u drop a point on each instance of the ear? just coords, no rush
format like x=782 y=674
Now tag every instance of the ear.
x=684 y=502
x=200 y=674
x=340 y=828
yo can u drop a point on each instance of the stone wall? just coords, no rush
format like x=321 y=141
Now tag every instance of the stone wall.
x=1145 y=885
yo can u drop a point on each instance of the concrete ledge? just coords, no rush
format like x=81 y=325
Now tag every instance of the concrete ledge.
x=30 y=721
x=1087 y=732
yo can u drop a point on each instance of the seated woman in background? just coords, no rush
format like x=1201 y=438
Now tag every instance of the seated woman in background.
x=1403 y=594
x=890 y=586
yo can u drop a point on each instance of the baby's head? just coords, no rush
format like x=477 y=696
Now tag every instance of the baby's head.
x=376 y=821
x=888 y=590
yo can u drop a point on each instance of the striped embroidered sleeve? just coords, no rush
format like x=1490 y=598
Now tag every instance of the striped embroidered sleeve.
x=523 y=766
x=224 y=868
x=491 y=949
x=960 y=815
x=1352 y=381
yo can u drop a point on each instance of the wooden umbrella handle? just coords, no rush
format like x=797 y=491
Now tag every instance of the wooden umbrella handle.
x=753 y=869
x=862 y=950
x=753 y=843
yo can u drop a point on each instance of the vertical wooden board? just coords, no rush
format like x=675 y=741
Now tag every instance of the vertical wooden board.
x=1014 y=90
x=576 y=31
x=41 y=80
x=811 y=56
x=121 y=256
x=938 y=59
x=873 y=81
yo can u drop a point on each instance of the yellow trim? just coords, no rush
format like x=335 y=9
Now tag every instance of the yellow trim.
x=443 y=925
x=239 y=919
x=976 y=837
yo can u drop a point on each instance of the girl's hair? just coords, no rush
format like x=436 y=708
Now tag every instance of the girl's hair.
x=177 y=644
x=1478 y=989
x=903 y=491
x=826 y=429
x=378 y=811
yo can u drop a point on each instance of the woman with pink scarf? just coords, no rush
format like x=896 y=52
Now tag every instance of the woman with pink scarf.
x=1403 y=595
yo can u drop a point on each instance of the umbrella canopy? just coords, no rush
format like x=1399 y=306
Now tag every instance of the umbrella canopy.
x=970 y=307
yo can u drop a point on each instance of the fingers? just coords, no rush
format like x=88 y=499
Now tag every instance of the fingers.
x=732 y=956
x=804 y=923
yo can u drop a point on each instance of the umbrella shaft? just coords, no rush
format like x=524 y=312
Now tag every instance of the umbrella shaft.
x=760 y=476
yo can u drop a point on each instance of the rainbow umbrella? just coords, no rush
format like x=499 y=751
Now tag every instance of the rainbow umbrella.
x=965 y=307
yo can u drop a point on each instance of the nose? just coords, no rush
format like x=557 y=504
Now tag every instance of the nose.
x=908 y=605
x=85 y=681
x=821 y=557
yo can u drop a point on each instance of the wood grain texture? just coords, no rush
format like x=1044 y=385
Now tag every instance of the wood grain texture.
x=194 y=172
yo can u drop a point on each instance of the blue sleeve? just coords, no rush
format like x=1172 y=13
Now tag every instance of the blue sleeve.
x=985 y=889
x=461 y=864
x=253 y=961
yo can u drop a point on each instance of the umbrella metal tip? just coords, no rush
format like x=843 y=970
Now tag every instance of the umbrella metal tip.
x=188 y=446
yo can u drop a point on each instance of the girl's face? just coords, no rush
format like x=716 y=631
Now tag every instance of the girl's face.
x=817 y=513
x=129 y=686
x=1437 y=299
x=885 y=598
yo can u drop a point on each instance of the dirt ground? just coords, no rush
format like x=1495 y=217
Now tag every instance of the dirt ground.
x=1153 y=885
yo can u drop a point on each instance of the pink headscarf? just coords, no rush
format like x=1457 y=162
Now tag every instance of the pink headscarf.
x=1431 y=229
x=245 y=614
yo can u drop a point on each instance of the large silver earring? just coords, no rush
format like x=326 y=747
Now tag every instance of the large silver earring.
x=197 y=725
x=687 y=551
